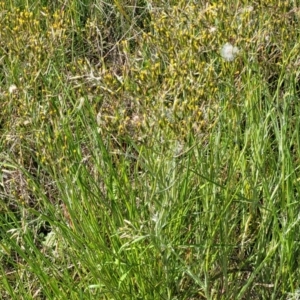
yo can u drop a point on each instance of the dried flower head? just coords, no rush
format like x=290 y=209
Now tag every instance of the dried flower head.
x=12 y=88
x=99 y=119
x=229 y=52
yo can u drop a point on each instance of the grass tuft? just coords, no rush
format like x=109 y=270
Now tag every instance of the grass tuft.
x=149 y=150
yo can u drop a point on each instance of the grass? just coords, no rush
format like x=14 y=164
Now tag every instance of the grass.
x=137 y=163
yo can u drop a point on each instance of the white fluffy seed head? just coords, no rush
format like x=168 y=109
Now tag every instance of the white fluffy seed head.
x=229 y=52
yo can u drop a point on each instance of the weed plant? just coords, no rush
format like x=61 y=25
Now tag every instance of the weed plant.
x=149 y=150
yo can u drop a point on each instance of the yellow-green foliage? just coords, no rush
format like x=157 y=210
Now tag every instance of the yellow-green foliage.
x=170 y=74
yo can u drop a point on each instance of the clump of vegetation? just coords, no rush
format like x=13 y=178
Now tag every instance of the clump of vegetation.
x=149 y=150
